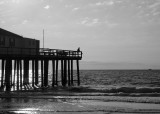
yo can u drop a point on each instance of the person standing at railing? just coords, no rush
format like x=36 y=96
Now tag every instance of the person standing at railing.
x=78 y=50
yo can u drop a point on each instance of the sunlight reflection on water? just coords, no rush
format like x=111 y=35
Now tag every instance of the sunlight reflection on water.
x=27 y=111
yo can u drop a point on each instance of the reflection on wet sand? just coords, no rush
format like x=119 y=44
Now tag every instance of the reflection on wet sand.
x=26 y=111
x=64 y=104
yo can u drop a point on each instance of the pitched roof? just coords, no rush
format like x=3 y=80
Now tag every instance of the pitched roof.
x=5 y=32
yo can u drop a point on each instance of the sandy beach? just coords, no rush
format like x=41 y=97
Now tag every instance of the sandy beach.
x=62 y=101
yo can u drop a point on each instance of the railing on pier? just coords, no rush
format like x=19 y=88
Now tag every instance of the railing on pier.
x=59 y=53
x=43 y=52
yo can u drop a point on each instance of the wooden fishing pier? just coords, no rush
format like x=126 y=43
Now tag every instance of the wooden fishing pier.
x=17 y=61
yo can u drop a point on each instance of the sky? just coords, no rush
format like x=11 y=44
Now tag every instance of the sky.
x=122 y=31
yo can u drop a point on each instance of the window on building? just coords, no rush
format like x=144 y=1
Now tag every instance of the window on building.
x=29 y=43
x=2 y=41
x=12 y=41
x=33 y=42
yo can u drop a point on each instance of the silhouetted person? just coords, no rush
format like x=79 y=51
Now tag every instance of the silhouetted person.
x=78 y=49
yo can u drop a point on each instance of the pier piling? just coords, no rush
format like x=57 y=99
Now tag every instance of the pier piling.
x=33 y=75
x=8 y=70
x=78 y=78
x=57 y=72
x=17 y=64
x=65 y=72
x=2 y=73
x=46 y=73
x=42 y=73
x=20 y=64
x=14 y=76
x=69 y=81
x=62 y=74
x=36 y=72
x=53 y=73
x=72 y=72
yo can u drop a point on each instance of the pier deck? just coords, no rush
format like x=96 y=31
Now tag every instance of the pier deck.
x=57 y=54
x=16 y=63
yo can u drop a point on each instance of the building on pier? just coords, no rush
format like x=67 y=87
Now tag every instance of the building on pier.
x=16 y=55
x=11 y=43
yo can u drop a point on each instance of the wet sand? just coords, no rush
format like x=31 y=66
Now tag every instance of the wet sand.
x=65 y=102
x=60 y=106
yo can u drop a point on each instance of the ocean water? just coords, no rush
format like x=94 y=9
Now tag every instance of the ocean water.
x=116 y=81
x=121 y=81
x=120 y=78
x=113 y=80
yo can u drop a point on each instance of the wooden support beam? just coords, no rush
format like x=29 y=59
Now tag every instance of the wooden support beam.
x=2 y=73
x=53 y=73
x=62 y=73
x=8 y=69
x=57 y=72
x=36 y=72
x=26 y=72
x=20 y=64
x=11 y=74
x=42 y=73
x=65 y=73
x=72 y=72
x=33 y=75
x=78 y=77
x=14 y=76
x=11 y=80
x=69 y=79
x=17 y=62
x=46 y=73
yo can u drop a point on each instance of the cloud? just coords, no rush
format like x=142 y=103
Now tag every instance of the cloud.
x=99 y=4
x=110 y=3
x=156 y=4
x=156 y=13
x=90 y=22
x=150 y=13
x=75 y=9
x=95 y=21
x=155 y=8
x=47 y=7
x=104 y=3
x=85 y=21
x=25 y=22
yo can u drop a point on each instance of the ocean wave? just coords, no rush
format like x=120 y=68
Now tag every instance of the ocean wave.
x=117 y=90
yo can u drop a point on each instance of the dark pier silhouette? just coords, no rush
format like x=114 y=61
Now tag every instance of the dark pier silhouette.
x=19 y=55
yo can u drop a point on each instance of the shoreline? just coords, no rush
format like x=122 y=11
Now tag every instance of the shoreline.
x=61 y=100
x=82 y=93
